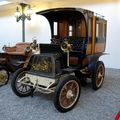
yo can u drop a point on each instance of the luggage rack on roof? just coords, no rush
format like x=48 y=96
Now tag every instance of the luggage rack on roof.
x=98 y=15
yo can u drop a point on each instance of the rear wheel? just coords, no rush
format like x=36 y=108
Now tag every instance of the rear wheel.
x=17 y=84
x=4 y=75
x=98 y=75
x=67 y=93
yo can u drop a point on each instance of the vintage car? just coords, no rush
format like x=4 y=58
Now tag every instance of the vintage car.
x=78 y=40
x=11 y=59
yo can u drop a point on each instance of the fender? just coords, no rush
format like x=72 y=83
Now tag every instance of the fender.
x=93 y=60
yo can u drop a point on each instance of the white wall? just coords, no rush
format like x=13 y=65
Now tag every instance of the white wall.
x=10 y=31
x=39 y=28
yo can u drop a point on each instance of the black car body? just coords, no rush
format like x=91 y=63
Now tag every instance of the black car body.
x=78 y=40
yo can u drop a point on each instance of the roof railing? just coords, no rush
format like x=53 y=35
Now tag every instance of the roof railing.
x=98 y=15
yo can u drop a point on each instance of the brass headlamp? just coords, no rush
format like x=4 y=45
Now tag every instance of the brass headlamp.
x=65 y=46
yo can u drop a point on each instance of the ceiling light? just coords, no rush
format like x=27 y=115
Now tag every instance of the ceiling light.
x=4 y=2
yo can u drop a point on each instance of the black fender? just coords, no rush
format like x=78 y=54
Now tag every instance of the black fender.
x=93 y=60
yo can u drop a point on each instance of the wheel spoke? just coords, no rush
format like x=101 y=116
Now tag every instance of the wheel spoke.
x=65 y=89
x=71 y=86
x=19 y=86
x=22 y=88
x=26 y=88
x=65 y=102
x=63 y=93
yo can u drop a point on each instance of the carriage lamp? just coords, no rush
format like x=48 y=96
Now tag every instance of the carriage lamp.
x=66 y=47
x=22 y=16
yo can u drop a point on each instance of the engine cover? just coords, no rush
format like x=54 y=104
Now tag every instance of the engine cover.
x=45 y=65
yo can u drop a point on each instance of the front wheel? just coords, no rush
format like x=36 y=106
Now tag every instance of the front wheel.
x=17 y=84
x=4 y=75
x=67 y=93
x=98 y=75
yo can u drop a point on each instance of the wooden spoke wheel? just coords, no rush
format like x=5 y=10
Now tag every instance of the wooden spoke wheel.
x=98 y=75
x=17 y=84
x=4 y=76
x=67 y=93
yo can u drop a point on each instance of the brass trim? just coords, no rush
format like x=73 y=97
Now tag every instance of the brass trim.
x=93 y=35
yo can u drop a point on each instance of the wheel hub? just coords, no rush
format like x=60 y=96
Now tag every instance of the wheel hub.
x=69 y=94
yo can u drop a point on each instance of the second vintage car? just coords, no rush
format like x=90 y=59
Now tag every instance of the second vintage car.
x=15 y=57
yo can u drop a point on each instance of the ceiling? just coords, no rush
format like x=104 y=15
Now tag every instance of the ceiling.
x=33 y=3
x=51 y=3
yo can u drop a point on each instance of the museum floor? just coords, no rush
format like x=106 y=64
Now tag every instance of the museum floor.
x=92 y=105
